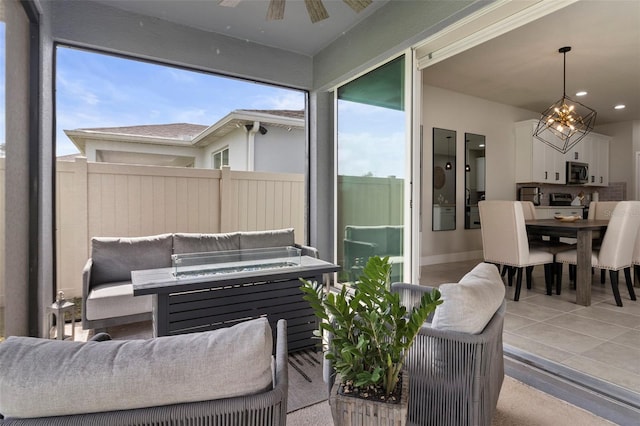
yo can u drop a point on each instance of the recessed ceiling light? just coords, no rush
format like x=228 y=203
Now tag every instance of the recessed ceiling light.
x=581 y=93
x=619 y=106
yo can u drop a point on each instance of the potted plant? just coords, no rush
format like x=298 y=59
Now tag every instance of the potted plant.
x=371 y=333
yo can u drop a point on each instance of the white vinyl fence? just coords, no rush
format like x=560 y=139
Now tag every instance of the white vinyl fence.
x=117 y=200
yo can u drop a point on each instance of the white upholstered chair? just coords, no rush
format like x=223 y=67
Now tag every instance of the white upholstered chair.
x=617 y=248
x=504 y=241
x=551 y=246
x=600 y=210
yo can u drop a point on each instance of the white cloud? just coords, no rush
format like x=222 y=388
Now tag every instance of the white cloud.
x=291 y=100
x=363 y=153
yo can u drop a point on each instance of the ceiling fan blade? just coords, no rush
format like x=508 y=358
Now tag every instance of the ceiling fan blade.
x=229 y=3
x=276 y=10
x=316 y=10
x=358 y=5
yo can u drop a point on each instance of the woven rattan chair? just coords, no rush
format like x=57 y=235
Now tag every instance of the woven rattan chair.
x=454 y=378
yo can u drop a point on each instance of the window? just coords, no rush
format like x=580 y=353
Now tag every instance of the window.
x=221 y=158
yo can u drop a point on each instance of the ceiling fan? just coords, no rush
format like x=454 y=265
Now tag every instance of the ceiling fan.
x=315 y=8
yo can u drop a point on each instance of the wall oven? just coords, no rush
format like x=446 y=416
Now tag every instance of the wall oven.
x=577 y=173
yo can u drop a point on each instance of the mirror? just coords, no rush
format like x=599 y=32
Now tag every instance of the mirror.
x=444 y=180
x=474 y=178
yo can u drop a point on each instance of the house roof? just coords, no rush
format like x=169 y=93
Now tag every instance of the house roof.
x=167 y=131
x=187 y=134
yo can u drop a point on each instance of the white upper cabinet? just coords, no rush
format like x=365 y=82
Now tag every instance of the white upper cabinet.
x=599 y=161
x=537 y=162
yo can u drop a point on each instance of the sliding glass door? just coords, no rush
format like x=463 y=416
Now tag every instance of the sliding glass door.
x=372 y=170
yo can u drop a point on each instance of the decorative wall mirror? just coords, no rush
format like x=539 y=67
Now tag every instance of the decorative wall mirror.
x=444 y=179
x=474 y=178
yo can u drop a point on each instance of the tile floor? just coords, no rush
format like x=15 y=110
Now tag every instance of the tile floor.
x=602 y=340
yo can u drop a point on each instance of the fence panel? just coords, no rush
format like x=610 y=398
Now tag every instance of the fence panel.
x=116 y=200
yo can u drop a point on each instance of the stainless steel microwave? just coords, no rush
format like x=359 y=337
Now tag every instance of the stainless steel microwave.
x=577 y=173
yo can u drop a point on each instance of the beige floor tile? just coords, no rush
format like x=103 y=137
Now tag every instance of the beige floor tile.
x=514 y=322
x=559 y=338
x=618 y=376
x=535 y=347
x=615 y=355
x=588 y=326
x=613 y=316
x=631 y=339
x=560 y=303
x=532 y=311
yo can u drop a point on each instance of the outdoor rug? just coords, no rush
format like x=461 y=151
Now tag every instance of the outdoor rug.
x=306 y=386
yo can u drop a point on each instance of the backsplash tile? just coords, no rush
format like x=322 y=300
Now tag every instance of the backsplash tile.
x=616 y=191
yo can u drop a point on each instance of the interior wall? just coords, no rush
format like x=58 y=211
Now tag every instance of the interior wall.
x=455 y=111
x=621 y=154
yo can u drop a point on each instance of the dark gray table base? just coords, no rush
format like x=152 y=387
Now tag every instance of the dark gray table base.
x=209 y=303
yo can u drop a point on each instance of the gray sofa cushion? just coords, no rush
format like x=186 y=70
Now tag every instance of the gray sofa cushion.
x=115 y=258
x=202 y=243
x=471 y=303
x=261 y=239
x=42 y=378
x=115 y=300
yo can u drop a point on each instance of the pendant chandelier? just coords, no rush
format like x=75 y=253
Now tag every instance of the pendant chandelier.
x=566 y=122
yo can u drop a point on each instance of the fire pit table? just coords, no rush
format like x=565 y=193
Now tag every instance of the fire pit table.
x=206 y=291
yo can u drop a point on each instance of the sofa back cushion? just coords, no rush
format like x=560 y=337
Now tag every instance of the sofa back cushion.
x=203 y=243
x=43 y=378
x=469 y=305
x=115 y=258
x=263 y=239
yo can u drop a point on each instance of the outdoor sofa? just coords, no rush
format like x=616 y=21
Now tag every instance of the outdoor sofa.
x=222 y=377
x=107 y=291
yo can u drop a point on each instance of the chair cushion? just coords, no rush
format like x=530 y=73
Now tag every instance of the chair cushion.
x=202 y=243
x=115 y=258
x=42 y=378
x=470 y=304
x=115 y=300
x=263 y=239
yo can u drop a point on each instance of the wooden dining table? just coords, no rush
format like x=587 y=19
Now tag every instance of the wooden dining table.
x=583 y=230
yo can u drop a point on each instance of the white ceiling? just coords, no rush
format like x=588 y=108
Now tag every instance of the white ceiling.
x=247 y=20
x=522 y=68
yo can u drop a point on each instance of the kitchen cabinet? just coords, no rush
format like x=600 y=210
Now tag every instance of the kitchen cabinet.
x=551 y=211
x=599 y=159
x=535 y=160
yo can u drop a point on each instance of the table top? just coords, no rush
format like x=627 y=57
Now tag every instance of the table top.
x=580 y=224
x=162 y=280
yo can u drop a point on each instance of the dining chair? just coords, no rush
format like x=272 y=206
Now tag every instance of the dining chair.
x=617 y=248
x=551 y=246
x=504 y=241
x=600 y=210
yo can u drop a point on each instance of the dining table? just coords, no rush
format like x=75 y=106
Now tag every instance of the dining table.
x=583 y=230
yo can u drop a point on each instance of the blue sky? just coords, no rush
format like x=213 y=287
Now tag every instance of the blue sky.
x=97 y=90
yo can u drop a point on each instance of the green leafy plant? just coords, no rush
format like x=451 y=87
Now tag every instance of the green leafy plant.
x=372 y=331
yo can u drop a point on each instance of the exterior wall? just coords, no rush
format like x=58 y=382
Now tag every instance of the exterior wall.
x=93 y=146
x=101 y=199
x=280 y=151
